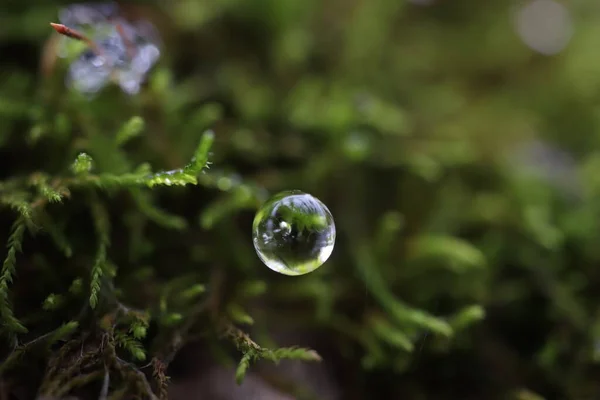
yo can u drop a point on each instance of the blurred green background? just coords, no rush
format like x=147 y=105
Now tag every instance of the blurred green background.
x=456 y=143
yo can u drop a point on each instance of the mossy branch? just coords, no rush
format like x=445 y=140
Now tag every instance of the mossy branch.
x=61 y=333
x=143 y=176
x=97 y=273
x=77 y=381
x=102 y=226
x=155 y=214
x=53 y=302
x=200 y=159
x=391 y=334
x=130 y=344
x=19 y=201
x=52 y=229
x=10 y=324
x=46 y=190
x=242 y=368
x=130 y=130
x=251 y=351
x=400 y=312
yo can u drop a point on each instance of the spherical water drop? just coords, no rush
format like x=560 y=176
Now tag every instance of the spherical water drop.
x=293 y=233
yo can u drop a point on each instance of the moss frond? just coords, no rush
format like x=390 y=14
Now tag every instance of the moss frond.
x=200 y=159
x=59 y=334
x=129 y=130
x=96 y=275
x=10 y=324
x=19 y=201
x=399 y=311
x=41 y=183
x=132 y=345
x=83 y=164
x=155 y=214
x=53 y=302
x=54 y=231
x=251 y=351
x=293 y=353
x=102 y=226
x=391 y=334
x=242 y=368
x=139 y=329
x=239 y=315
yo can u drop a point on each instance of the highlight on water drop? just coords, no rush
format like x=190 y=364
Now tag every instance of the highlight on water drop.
x=293 y=233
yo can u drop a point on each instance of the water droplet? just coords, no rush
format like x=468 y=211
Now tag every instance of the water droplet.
x=293 y=233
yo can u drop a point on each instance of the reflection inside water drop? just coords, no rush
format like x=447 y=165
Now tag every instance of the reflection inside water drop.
x=293 y=233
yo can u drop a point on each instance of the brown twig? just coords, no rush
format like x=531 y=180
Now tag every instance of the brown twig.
x=128 y=369
x=77 y=381
x=159 y=374
x=75 y=34
x=65 y=376
x=240 y=338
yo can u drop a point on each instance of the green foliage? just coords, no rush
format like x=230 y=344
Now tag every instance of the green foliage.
x=155 y=214
x=82 y=164
x=139 y=328
x=454 y=252
x=237 y=314
x=45 y=190
x=252 y=352
x=45 y=341
x=102 y=272
x=132 y=128
x=131 y=345
x=387 y=332
x=53 y=229
x=102 y=226
x=10 y=324
x=53 y=302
